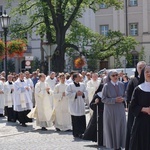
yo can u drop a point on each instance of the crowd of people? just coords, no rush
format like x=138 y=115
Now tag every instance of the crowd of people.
x=60 y=100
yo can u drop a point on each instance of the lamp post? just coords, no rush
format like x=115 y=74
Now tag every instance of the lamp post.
x=5 y=22
x=126 y=32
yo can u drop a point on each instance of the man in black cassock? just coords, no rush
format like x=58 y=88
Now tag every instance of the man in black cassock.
x=130 y=88
x=77 y=95
x=22 y=101
x=9 y=99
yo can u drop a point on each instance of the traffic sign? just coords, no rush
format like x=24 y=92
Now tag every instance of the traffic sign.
x=27 y=67
x=28 y=63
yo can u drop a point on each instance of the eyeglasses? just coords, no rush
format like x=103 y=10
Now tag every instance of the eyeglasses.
x=114 y=75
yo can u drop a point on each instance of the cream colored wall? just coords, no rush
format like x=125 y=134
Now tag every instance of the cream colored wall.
x=116 y=20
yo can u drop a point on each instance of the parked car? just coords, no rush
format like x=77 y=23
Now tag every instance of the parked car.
x=129 y=71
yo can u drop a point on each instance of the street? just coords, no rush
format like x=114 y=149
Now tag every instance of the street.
x=15 y=137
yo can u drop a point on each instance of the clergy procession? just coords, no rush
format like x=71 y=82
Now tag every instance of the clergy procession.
x=118 y=105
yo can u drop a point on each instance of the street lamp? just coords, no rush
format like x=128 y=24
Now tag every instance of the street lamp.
x=5 y=22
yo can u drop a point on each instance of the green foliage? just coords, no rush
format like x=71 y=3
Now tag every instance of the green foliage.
x=11 y=65
x=96 y=46
x=142 y=54
x=35 y=64
x=92 y=64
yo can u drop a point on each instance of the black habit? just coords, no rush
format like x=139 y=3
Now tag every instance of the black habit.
x=140 y=134
x=91 y=130
x=130 y=88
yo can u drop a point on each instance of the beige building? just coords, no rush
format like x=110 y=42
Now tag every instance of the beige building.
x=137 y=25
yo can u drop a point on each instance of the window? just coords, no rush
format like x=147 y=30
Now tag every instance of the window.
x=103 y=6
x=1 y=10
x=133 y=3
x=133 y=29
x=104 y=29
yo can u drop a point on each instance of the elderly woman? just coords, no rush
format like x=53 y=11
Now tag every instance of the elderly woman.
x=140 y=107
x=114 y=120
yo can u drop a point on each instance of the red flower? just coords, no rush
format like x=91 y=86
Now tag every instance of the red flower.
x=79 y=62
x=16 y=47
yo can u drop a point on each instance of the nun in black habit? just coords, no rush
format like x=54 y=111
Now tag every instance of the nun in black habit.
x=130 y=88
x=140 y=107
x=91 y=130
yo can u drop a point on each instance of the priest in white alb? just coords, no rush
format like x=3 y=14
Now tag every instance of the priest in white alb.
x=9 y=99
x=43 y=111
x=51 y=80
x=22 y=101
x=77 y=96
x=62 y=116
x=30 y=84
x=92 y=86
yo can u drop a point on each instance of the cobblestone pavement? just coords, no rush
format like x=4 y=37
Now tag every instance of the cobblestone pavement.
x=15 y=137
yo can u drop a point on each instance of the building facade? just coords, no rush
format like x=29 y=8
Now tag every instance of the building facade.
x=134 y=22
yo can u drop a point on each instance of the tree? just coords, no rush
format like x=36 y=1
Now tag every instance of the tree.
x=56 y=16
x=95 y=46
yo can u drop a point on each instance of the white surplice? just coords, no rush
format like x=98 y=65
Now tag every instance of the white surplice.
x=44 y=110
x=92 y=86
x=62 y=115
x=22 y=100
x=2 y=98
x=30 y=84
x=9 y=94
x=69 y=81
x=51 y=83
x=77 y=104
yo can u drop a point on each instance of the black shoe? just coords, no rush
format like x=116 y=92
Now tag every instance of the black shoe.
x=57 y=129
x=1 y=115
x=76 y=136
x=11 y=120
x=68 y=130
x=44 y=129
x=80 y=136
x=23 y=125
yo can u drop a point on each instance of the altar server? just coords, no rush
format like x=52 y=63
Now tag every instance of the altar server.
x=77 y=95
x=9 y=99
x=22 y=101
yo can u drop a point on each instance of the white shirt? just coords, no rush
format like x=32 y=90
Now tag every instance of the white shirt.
x=114 y=83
